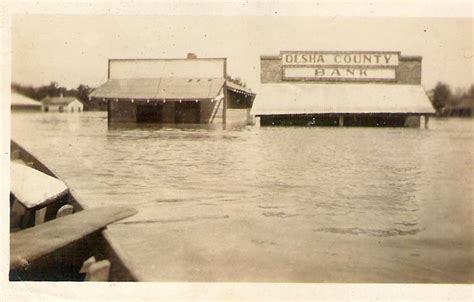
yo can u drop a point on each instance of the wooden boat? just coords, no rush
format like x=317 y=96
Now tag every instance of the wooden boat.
x=47 y=247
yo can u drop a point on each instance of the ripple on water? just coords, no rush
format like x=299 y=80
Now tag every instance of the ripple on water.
x=369 y=232
x=279 y=214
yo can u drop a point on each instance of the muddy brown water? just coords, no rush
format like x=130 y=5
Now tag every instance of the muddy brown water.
x=272 y=204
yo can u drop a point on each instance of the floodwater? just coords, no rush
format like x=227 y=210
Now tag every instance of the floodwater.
x=272 y=204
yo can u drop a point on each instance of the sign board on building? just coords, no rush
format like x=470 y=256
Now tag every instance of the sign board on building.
x=166 y=68
x=339 y=66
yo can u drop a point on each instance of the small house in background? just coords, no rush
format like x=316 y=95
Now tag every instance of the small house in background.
x=20 y=102
x=182 y=90
x=62 y=104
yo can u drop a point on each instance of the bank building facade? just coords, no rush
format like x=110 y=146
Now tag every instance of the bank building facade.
x=335 y=88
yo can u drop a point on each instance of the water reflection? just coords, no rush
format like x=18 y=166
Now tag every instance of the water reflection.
x=159 y=126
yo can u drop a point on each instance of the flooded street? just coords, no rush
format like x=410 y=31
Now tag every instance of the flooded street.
x=272 y=204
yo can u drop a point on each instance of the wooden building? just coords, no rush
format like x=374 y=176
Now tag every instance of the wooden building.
x=62 y=104
x=319 y=88
x=20 y=102
x=188 y=90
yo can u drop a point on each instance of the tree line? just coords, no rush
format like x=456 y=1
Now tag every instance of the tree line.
x=443 y=98
x=53 y=90
x=81 y=92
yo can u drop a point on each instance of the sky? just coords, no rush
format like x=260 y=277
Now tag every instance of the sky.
x=74 y=49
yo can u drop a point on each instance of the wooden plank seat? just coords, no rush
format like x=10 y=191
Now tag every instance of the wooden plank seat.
x=31 y=192
x=34 y=189
x=33 y=243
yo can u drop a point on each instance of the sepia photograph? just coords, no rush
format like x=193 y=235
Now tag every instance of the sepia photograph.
x=247 y=145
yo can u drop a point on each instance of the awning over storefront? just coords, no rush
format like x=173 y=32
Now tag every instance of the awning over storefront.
x=160 y=88
x=239 y=89
x=305 y=98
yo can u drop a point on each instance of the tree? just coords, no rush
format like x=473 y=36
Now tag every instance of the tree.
x=83 y=92
x=53 y=90
x=237 y=81
x=470 y=91
x=441 y=95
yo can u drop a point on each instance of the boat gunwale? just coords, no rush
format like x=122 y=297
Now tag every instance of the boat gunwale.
x=110 y=249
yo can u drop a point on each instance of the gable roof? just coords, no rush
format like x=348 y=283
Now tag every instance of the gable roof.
x=59 y=100
x=307 y=98
x=21 y=100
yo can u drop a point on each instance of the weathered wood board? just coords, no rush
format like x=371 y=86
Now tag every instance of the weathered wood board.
x=33 y=243
x=33 y=188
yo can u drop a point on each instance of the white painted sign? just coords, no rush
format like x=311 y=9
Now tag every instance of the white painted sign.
x=338 y=73
x=340 y=58
x=166 y=68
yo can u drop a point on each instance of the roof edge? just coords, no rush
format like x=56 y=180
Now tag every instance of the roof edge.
x=348 y=113
x=270 y=57
x=166 y=59
x=411 y=58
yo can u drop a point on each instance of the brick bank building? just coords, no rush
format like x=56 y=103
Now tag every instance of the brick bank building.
x=184 y=90
x=353 y=88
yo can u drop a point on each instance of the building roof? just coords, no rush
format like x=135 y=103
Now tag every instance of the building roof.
x=239 y=89
x=21 y=100
x=160 y=88
x=59 y=100
x=306 y=98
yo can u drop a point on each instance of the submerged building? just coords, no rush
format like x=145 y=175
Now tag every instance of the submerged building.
x=354 y=88
x=62 y=104
x=20 y=102
x=191 y=90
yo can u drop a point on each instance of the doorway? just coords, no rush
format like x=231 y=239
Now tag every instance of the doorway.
x=188 y=112
x=150 y=113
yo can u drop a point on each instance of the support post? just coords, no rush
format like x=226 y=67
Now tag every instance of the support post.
x=40 y=216
x=108 y=112
x=250 y=118
x=108 y=69
x=224 y=113
x=341 y=121
x=427 y=118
